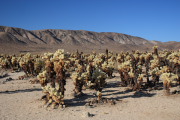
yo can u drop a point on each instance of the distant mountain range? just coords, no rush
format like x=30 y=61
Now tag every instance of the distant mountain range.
x=16 y=40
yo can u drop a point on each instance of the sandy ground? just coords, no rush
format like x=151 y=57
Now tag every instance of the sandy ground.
x=19 y=100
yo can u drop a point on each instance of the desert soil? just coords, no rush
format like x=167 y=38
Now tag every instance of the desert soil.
x=20 y=100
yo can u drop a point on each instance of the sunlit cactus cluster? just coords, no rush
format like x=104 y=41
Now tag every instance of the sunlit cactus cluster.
x=137 y=70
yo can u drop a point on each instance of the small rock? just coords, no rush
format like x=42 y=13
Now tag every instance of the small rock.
x=9 y=79
x=174 y=92
x=87 y=114
x=90 y=115
x=88 y=105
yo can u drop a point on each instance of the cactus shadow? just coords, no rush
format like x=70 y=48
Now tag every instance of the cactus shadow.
x=79 y=101
x=116 y=92
x=137 y=94
x=112 y=85
x=4 y=75
x=20 y=91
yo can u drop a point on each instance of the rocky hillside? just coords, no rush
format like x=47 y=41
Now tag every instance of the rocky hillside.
x=20 y=40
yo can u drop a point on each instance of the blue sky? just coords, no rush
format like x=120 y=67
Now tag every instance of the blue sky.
x=150 y=19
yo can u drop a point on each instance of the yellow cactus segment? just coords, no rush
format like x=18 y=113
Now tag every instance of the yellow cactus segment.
x=42 y=76
x=97 y=61
x=155 y=71
x=148 y=55
x=47 y=55
x=98 y=74
x=13 y=60
x=74 y=76
x=59 y=54
x=109 y=65
x=155 y=47
x=164 y=69
x=124 y=65
x=131 y=74
x=168 y=77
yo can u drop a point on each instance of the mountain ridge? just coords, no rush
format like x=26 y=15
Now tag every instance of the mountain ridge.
x=51 y=39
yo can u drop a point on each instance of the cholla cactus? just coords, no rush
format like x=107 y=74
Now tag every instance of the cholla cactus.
x=60 y=76
x=38 y=65
x=59 y=54
x=140 y=77
x=165 y=69
x=53 y=96
x=142 y=59
x=168 y=78
x=91 y=57
x=154 y=63
x=120 y=58
x=108 y=68
x=49 y=67
x=124 y=65
x=98 y=61
x=131 y=74
x=148 y=56
x=147 y=66
x=14 y=61
x=91 y=70
x=139 y=83
x=123 y=69
x=98 y=78
x=43 y=78
x=47 y=56
x=174 y=55
x=4 y=63
x=55 y=75
x=78 y=80
x=27 y=64
x=98 y=74
x=155 y=50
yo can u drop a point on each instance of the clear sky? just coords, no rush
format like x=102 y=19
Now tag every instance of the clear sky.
x=150 y=19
